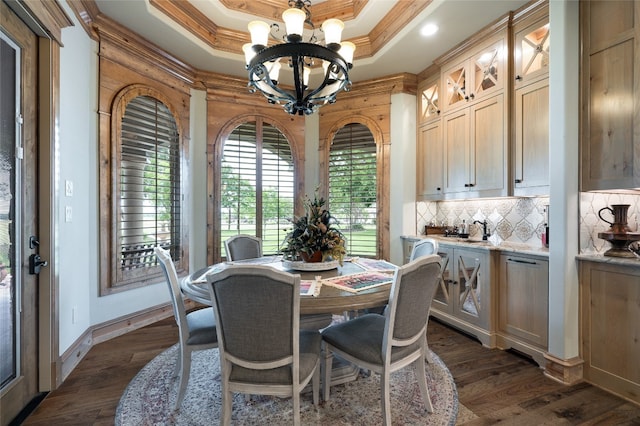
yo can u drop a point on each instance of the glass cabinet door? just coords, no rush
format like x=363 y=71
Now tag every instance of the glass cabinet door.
x=456 y=85
x=442 y=297
x=480 y=74
x=487 y=70
x=468 y=269
x=429 y=102
x=532 y=51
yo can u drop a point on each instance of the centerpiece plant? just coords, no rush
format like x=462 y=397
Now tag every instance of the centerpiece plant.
x=313 y=237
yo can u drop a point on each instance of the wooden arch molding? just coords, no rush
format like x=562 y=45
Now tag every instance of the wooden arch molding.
x=214 y=159
x=382 y=173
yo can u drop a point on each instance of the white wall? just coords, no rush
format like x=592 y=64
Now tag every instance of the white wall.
x=198 y=184
x=77 y=161
x=564 y=103
x=402 y=197
x=311 y=154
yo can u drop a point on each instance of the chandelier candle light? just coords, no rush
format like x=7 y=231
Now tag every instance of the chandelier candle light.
x=264 y=63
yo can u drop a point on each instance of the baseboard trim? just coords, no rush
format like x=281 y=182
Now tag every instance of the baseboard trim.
x=107 y=330
x=72 y=356
x=565 y=371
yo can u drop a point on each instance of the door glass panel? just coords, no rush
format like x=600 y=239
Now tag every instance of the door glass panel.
x=429 y=101
x=535 y=50
x=456 y=86
x=442 y=291
x=468 y=270
x=8 y=285
x=486 y=70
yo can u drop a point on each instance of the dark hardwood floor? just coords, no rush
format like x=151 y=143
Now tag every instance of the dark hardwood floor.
x=495 y=386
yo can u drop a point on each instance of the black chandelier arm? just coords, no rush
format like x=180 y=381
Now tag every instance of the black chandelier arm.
x=284 y=50
x=335 y=80
x=259 y=80
x=300 y=101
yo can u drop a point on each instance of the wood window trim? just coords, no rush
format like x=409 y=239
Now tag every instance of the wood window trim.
x=214 y=160
x=263 y=138
x=382 y=173
x=109 y=195
x=348 y=143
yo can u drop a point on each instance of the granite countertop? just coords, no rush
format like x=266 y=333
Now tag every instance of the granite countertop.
x=598 y=257
x=505 y=246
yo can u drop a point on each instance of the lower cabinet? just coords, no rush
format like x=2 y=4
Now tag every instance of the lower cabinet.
x=523 y=305
x=609 y=324
x=463 y=297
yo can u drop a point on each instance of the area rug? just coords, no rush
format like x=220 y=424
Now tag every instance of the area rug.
x=149 y=398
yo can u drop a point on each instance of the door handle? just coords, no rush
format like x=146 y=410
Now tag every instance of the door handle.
x=35 y=263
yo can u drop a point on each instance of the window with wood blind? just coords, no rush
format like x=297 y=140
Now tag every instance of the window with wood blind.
x=257 y=184
x=148 y=189
x=352 y=188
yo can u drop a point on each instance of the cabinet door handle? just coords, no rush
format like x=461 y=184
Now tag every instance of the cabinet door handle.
x=528 y=262
x=518 y=180
x=438 y=189
x=518 y=78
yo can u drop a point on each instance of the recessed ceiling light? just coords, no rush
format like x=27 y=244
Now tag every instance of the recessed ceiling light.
x=429 y=30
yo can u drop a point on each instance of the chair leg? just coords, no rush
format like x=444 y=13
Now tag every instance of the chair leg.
x=178 y=369
x=185 y=371
x=385 y=399
x=296 y=407
x=422 y=382
x=427 y=352
x=328 y=364
x=227 y=400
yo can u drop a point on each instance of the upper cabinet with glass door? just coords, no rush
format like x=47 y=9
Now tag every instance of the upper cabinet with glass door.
x=532 y=53
x=429 y=101
x=475 y=76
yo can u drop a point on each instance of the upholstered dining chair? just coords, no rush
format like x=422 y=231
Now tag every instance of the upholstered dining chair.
x=389 y=342
x=196 y=329
x=423 y=247
x=241 y=247
x=262 y=349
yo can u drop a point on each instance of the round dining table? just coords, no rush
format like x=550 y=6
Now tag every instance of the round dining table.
x=329 y=300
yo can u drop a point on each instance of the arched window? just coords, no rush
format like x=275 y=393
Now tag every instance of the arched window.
x=147 y=200
x=352 y=187
x=257 y=184
x=149 y=175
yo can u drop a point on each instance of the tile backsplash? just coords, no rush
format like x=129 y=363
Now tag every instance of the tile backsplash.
x=522 y=220
x=591 y=224
x=518 y=220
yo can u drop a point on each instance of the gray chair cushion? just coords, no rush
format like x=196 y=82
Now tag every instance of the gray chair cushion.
x=362 y=337
x=202 y=327
x=310 y=342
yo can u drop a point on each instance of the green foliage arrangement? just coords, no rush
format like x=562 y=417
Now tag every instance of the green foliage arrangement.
x=314 y=232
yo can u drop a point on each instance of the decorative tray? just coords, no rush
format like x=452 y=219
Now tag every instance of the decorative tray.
x=299 y=265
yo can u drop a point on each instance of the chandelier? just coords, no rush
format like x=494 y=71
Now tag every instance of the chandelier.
x=264 y=63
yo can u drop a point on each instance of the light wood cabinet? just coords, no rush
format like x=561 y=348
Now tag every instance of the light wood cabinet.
x=475 y=76
x=609 y=318
x=429 y=161
x=531 y=55
x=429 y=100
x=530 y=141
x=531 y=174
x=463 y=297
x=610 y=140
x=523 y=305
x=475 y=151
